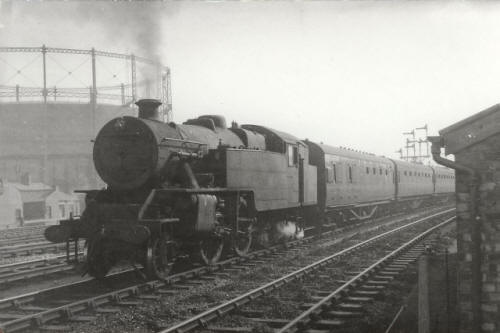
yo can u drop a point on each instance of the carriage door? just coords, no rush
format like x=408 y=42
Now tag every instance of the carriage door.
x=295 y=164
x=301 y=179
x=302 y=155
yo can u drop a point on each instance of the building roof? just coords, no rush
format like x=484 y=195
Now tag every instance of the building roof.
x=471 y=130
x=32 y=186
x=58 y=196
x=34 y=196
x=33 y=192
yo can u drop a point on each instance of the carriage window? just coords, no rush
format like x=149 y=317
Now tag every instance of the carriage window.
x=386 y=173
x=292 y=155
x=405 y=173
x=329 y=175
x=367 y=170
x=350 y=174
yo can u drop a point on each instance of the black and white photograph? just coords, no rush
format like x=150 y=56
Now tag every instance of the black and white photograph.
x=249 y=166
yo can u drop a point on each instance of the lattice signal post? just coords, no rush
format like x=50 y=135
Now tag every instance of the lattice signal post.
x=412 y=138
x=52 y=101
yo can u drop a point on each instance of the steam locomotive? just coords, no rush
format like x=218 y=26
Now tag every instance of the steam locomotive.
x=198 y=188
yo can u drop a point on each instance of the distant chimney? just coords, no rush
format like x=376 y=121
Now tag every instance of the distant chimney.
x=148 y=109
x=26 y=178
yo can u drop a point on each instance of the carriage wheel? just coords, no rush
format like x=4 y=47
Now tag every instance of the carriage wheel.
x=159 y=258
x=98 y=261
x=242 y=241
x=211 y=250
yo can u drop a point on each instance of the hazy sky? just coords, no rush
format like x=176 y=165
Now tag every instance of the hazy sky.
x=353 y=74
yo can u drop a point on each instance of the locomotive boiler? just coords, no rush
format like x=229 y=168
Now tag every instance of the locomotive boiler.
x=190 y=189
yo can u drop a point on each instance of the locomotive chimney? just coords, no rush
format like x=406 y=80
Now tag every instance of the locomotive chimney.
x=148 y=109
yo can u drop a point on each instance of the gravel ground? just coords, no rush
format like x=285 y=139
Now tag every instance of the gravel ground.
x=152 y=315
x=380 y=313
x=27 y=231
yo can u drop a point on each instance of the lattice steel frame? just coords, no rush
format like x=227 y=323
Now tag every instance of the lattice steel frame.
x=93 y=92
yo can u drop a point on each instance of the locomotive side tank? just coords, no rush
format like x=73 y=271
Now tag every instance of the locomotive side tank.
x=189 y=189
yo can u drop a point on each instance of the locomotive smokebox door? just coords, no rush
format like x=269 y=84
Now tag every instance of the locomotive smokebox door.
x=205 y=215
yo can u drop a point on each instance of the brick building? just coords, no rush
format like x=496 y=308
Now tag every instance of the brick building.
x=32 y=202
x=475 y=143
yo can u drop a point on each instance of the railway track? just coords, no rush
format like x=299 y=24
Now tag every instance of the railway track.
x=21 y=240
x=30 y=249
x=14 y=236
x=25 y=270
x=333 y=297
x=29 y=269
x=53 y=308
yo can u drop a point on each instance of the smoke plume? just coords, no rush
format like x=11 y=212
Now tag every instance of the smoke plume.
x=124 y=25
x=113 y=26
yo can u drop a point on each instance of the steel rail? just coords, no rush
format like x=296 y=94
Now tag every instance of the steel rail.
x=301 y=321
x=32 y=296
x=20 y=240
x=29 y=263
x=34 y=268
x=202 y=319
x=35 y=272
x=68 y=310
x=30 y=249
